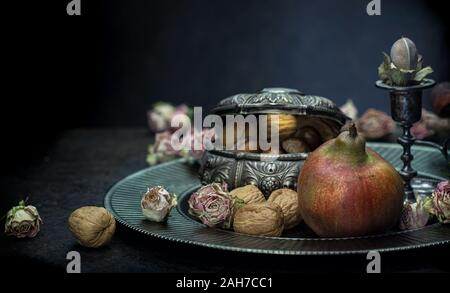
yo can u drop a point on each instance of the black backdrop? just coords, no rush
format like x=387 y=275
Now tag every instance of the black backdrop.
x=107 y=66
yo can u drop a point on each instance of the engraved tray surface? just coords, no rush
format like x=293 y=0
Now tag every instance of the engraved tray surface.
x=123 y=201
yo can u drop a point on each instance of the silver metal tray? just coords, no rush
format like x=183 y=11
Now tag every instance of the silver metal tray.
x=123 y=201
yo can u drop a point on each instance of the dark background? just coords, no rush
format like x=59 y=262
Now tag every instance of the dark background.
x=107 y=66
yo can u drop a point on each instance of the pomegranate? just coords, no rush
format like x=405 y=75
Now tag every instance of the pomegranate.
x=347 y=189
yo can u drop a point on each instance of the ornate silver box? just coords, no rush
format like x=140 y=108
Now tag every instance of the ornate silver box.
x=269 y=171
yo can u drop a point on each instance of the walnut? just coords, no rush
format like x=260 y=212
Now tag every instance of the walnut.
x=287 y=199
x=287 y=125
x=323 y=127
x=262 y=219
x=274 y=151
x=310 y=136
x=92 y=226
x=295 y=145
x=249 y=194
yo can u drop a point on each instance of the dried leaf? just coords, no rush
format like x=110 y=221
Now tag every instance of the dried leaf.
x=385 y=68
x=421 y=74
x=399 y=77
x=419 y=63
x=386 y=59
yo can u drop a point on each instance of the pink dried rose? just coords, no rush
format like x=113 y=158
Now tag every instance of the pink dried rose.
x=443 y=186
x=420 y=129
x=375 y=124
x=157 y=203
x=439 y=205
x=199 y=142
x=159 y=117
x=183 y=119
x=436 y=124
x=440 y=98
x=183 y=110
x=414 y=216
x=23 y=221
x=213 y=205
x=163 y=144
x=162 y=151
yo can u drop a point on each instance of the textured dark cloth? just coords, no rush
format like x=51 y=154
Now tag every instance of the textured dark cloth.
x=78 y=170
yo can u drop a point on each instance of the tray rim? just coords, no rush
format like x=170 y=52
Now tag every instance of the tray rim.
x=109 y=207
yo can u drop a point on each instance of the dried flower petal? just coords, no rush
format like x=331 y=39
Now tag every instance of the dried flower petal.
x=350 y=110
x=443 y=186
x=414 y=216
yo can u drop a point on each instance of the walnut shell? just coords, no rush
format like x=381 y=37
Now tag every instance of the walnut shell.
x=295 y=145
x=273 y=151
x=287 y=199
x=92 y=226
x=249 y=194
x=262 y=219
x=323 y=127
x=310 y=136
x=287 y=125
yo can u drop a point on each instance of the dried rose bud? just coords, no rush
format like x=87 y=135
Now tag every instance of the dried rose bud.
x=213 y=206
x=375 y=124
x=414 y=216
x=182 y=113
x=23 y=221
x=439 y=205
x=443 y=186
x=157 y=203
x=162 y=150
x=436 y=125
x=350 y=110
x=159 y=117
x=440 y=99
x=201 y=140
x=420 y=129
x=405 y=66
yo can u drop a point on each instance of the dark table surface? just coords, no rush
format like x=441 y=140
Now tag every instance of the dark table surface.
x=78 y=170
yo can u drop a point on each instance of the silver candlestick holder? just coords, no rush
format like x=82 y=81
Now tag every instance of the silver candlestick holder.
x=406 y=109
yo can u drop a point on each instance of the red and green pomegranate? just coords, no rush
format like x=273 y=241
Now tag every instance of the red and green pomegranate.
x=346 y=189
